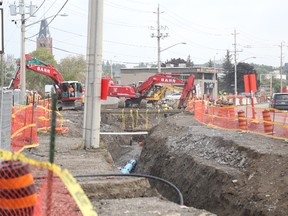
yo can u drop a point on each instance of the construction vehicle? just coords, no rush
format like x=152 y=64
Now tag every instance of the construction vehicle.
x=161 y=91
x=131 y=95
x=66 y=99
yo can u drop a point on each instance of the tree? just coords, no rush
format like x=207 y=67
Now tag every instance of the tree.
x=106 y=68
x=227 y=82
x=174 y=61
x=242 y=69
x=73 y=68
x=9 y=68
x=189 y=62
x=36 y=81
x=210 y=63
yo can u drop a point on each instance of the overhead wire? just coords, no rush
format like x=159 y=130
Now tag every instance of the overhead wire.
x=52 y=18
x=63 y=50
x=36 y=10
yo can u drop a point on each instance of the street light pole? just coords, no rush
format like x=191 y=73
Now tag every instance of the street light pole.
x=22 y=58
x=158 y=40
x=172 y=46
x=159 y=51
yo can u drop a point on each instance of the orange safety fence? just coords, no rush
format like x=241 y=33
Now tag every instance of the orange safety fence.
x=32 y=188
x=23 y=128
x=26 y=121
x=264 y=121
x=44 y=119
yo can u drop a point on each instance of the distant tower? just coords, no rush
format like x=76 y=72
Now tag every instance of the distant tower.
x=44 y=39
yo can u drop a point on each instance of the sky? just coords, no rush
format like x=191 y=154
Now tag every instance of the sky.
x=207 y=27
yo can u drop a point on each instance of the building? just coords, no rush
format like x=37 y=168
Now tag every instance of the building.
x=44 y=39
x=205 y=78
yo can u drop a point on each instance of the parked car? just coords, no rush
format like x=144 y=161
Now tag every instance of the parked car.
x=174 y=96
x=279 y=101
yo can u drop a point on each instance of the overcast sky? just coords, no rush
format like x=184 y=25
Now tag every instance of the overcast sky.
x=207 y=26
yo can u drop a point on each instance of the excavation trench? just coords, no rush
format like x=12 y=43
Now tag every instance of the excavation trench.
x=224 y=172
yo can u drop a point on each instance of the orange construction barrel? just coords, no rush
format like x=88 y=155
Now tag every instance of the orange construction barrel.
x=268 y=127
x=241 y=120
x=17 y=189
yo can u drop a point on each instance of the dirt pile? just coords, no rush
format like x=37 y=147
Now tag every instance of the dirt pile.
x=224 y=172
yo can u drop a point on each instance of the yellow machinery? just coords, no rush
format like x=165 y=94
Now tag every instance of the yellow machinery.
x=160 y=91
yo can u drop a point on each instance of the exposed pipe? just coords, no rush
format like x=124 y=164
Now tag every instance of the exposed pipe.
x=129 y=166
x=181 y=201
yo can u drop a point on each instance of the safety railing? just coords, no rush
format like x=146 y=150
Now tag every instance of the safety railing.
x=264 y=121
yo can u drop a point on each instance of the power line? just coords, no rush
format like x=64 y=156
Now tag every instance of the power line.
x=36 y=10
x=52 y=18
x=58 y=12
x=60 y=49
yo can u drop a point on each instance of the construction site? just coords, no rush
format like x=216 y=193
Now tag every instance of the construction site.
x=200 y=161
x=169 y=143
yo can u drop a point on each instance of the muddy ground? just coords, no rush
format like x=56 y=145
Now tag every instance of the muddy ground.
x=223 y=172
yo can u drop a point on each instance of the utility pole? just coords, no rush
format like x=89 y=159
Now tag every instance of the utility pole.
x=22 y=58
x=92 y=111
x=158 y=41
x=159 y=36
x=281 y=57
x=21 y=11
x=235 y=64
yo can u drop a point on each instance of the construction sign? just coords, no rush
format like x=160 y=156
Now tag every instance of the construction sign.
x=250 y=83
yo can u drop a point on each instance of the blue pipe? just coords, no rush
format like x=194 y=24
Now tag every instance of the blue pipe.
x=129 y=166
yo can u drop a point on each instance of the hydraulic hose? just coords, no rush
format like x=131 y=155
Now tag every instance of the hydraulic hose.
x=181 y=201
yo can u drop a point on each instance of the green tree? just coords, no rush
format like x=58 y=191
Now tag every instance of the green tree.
x=9 y=68
x=106 y=68
x=227 y=82
x=266 y=82
x=34 y=80
x=174 y=61
x=242 y=69
x=73 y=68
x=210 y=63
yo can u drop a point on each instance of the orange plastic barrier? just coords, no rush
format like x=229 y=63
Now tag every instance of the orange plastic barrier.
x=17 y=189
x=268 y=127
x=242 y=120
x=34 y=188
x=268 y=122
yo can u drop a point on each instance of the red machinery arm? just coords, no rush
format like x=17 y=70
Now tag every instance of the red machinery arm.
x=38 y=67
x=157 y=79
x=189 y=85
x=47 y=70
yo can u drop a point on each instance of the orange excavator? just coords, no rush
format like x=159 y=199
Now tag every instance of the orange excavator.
x=66 y=99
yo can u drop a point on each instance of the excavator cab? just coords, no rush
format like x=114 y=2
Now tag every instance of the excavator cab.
x=70 y=94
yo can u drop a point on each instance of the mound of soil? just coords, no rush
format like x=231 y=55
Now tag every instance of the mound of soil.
x=224 y=172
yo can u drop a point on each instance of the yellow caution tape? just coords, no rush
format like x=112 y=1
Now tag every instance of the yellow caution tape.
x=70 y=182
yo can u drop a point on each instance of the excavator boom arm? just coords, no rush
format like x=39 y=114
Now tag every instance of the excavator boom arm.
x=38 y=67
